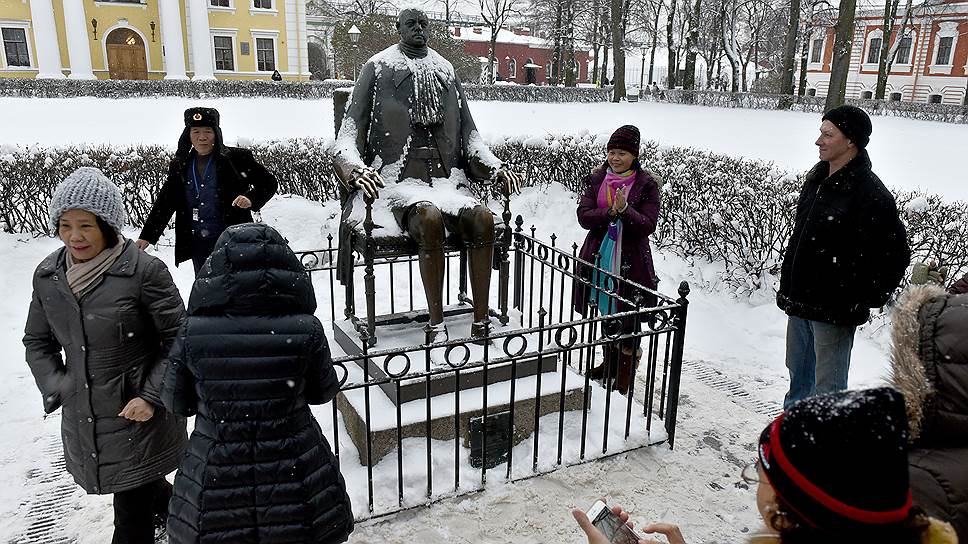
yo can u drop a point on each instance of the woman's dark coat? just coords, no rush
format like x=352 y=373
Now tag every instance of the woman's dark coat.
x=248 y=362
x=930 y=366
x=237 y=172
x=639 y=221
x=115 y=343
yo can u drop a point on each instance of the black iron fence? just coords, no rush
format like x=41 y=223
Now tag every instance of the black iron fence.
x=418 y=420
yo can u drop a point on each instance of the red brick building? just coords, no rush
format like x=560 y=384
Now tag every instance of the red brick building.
x=519 y=57
x=931 y=63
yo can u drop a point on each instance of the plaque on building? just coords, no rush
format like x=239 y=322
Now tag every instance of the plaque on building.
x=244 y=48
x=493 y=451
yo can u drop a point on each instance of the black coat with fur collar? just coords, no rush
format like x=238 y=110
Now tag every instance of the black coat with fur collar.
x=929 y=360
x=848 y=251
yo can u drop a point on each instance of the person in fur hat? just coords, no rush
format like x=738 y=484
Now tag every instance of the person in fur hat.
x=830 y=469
x=929 y=363
x=210 y=186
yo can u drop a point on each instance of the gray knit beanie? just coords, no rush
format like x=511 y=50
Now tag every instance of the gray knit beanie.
x=90 y=190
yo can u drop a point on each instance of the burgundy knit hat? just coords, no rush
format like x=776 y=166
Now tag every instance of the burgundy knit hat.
x=839 y=461
x=625 y=137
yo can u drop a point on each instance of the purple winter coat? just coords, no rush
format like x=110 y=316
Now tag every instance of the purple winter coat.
x=639 y=221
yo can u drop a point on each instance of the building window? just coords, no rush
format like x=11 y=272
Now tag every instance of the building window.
x=874 y=51
x=512 y=69
x=265 y=53
x=866 y=95
x=895 y=97
x=262 y=4
x=904 y=50
x=811 y=92
x=934 y=99
x=15 y=46
x=816 y=51
x=224 y=56
x=221 y=3
x=944 y=51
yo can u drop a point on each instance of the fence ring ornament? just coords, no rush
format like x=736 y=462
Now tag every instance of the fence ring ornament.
x=464 y=359
x=572 y=336
x=309 y=260
x=346 y=374
x=402 y=373
x=659 y=320
x=564 y=261
x=507 y=345
x=612 y=328
x=543 y=252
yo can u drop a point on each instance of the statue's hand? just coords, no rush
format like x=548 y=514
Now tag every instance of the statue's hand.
x=511 y=181
x=368 y=180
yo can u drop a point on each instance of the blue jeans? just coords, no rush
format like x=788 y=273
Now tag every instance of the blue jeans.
x=817 y=356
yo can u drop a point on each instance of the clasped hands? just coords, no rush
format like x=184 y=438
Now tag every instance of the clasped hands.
x=619 y=203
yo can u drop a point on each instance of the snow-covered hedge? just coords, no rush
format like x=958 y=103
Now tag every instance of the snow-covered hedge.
x=111 y=88
x=306 y=90
x=714 y=209
x=946 y=113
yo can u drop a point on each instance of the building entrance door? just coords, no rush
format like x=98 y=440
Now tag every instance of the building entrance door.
x=126 y=55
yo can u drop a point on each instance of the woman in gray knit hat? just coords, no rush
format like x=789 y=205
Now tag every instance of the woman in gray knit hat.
x=102 y=319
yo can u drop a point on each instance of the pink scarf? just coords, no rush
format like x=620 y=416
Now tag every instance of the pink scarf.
x=613 y=182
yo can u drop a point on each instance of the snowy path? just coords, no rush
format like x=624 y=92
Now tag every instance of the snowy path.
x=907 y=154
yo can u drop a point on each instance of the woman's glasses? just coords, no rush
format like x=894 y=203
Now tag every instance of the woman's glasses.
x=751 y=473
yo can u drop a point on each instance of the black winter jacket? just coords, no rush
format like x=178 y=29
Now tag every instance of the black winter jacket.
x=115 y=343
x=248 y=362
x=930 y=366
x=848 y=251
x=238 y=174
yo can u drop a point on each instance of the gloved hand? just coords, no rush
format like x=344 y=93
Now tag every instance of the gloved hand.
x=368 y=180
x=923 y=273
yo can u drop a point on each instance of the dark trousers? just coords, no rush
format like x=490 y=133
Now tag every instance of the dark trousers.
x=135 y=511
x=201 y=249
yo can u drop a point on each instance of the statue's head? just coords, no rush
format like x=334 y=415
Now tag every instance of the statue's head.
x=413 y=24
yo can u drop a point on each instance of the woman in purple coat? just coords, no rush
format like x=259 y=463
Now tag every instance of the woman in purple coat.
x=620 y=209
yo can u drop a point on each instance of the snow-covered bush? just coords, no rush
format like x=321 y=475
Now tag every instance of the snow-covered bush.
x=946 y=113
x=306 y=90
x=715 y=208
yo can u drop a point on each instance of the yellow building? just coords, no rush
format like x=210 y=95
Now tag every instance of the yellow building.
x=153 y=39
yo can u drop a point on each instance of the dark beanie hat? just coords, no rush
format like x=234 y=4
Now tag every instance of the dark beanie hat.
x=625 y=137
x=838 y=462
x=201 y=117
x=853 y=122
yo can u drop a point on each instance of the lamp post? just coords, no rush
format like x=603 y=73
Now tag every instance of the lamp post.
x=94 y=26
x=354 y=39
x=642 y=71
x=152 y=25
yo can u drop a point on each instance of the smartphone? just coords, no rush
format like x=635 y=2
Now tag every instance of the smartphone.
x=608 y=523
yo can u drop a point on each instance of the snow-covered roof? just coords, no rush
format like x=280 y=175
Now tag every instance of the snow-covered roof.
x=467 y=34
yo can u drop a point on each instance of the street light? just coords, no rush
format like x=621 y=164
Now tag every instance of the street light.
x=354 y=39
x=642 y=71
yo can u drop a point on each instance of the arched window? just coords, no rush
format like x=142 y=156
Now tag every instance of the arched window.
x=934 y=99
x=895 y=97
x=904 y=50
x=875 y=39
x=866 y=95
x=811 y=92
x=512 y=69
x=945 y=42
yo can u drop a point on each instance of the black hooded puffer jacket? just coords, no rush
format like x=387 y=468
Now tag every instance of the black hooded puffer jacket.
x=248 y=362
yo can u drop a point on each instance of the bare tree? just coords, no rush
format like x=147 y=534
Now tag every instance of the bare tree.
x=790 y=48
x=888 y=52
x=731 y=46
x=692 y=47
x=618 y=44
x=496 y=14
x=670 y=45
x=840 y=66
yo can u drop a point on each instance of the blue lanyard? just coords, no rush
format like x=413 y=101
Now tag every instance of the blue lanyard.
x=198 y=191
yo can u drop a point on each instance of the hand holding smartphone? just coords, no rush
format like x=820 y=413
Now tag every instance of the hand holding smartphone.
x=615 y=531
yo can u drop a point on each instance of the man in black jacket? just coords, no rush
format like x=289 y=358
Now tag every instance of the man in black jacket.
x=210 y=187
x=847 y=254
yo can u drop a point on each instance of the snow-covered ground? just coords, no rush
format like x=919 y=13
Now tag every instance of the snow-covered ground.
x=906 y=154
x=732 y=345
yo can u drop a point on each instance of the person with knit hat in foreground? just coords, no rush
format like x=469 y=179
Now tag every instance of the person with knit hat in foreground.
x=620 y=209
x=102 y=318
x=847 y=254
x=831 y=469
x=210 y=186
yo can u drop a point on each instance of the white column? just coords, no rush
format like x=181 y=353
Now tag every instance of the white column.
x=201 y=40
x=45 y=40
x=78 y=46
x=171 y=37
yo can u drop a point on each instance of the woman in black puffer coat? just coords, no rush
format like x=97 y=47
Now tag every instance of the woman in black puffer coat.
x=930 y=366
x=248 y=362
